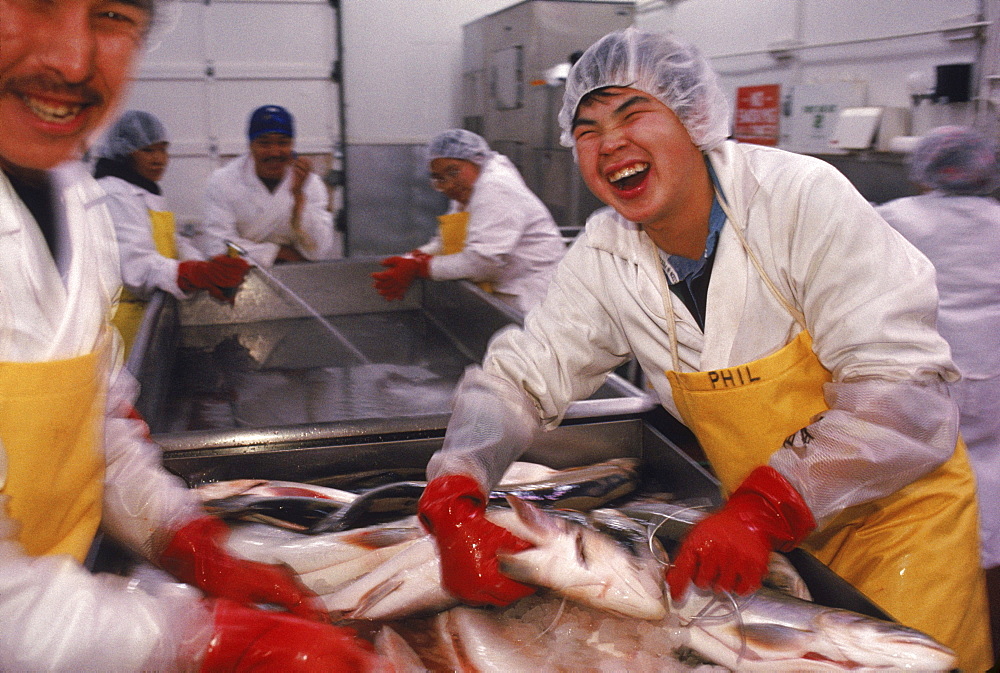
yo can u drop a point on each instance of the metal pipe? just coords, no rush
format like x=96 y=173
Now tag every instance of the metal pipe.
x=779 y=48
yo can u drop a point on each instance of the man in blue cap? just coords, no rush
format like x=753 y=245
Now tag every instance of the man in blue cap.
x=269 y=201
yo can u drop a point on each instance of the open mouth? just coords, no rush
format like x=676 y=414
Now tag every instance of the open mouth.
x=55 y=113
x=629 y=177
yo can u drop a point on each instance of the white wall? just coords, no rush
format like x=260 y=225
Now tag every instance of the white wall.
x=723 y=30
x=402 y=64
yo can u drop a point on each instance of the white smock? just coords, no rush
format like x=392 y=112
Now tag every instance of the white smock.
x=57 y=615
x=241 y=209
x=511 y=241
x=144 y=269
x=961 y=237
x=867 y=295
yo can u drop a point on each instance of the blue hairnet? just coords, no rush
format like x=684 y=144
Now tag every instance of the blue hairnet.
x=130 y=132
x=957 y=160
x=660 y=65
x=459 y=144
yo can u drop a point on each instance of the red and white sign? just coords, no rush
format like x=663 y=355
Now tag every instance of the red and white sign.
x=757 y=114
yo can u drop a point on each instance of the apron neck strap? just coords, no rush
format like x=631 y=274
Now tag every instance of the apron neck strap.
x=666 y=294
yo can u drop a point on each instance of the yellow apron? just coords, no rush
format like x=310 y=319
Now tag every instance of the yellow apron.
x=914 y=553
x=128 y=316
x=453 y=229
x=51 y=430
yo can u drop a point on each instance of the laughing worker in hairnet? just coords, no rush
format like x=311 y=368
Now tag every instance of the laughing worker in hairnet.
x=70 y=458
x=496 y=231
x=132 y=160
x=956 y=223
x=269 y=201
x=773 y=312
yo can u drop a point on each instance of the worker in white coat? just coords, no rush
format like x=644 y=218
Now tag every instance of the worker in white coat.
x=956 y=223
x=71 y=458
x=496 y=232
x=730 y=273
x=132 y=160
x=268 y=201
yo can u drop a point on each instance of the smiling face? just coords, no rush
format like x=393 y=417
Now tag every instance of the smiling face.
x=636 y=156
x=151 y=161
x=64 y=64
x=272 y=154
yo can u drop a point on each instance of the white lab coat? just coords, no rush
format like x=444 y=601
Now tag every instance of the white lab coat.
x=144 y=269
x=961 y=236
x=511 y=241
x=57 y=615
x=867 y=295
x=240 y=208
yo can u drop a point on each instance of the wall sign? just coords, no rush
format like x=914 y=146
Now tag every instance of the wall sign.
x=757 y=114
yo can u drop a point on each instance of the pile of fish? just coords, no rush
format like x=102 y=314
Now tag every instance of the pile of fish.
x=601 y=603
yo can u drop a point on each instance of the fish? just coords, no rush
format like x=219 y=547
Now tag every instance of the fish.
x=408 y=584
x=310 y=553
x=771 y=631
x=778 y=627
x=293 y=512
x=388 y=501
x=580 y=488
x=401 y=656
x=568 y=559
x=546 y=633
x=581 y=564
x=218 y=490
x=672 y=521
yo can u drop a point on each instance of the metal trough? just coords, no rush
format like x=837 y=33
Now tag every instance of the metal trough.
x=337 y=408
x=266 y=363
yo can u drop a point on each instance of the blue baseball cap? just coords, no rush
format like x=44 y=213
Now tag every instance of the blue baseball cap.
x=270 y=119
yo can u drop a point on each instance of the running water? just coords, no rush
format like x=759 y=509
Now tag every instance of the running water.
x=302 y=302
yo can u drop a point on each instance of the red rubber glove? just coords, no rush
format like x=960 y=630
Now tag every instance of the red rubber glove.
x=729 y=550
x=217 y=275
x=249 y=639
x=195 y=555
x=401 y=272
x=453 y=509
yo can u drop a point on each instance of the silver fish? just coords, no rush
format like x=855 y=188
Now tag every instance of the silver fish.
x=542 y=633
x=581 y=564
x=778 y=628
x=770 y=631
x=407 y=584
x=580 y=488
x=568 y=558
x=310 y=553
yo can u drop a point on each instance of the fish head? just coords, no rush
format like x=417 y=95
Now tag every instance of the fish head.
x=875 y=642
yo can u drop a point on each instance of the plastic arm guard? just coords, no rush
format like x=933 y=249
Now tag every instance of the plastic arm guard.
x=453 y=510
x=400 y=273
x=195 y=555
x=248 y=639
x=216 y=275
x=729 y=550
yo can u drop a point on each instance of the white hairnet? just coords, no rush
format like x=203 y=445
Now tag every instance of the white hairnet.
x=957 y=160
x=660 y=65
x=132 y=131
x=459 y=144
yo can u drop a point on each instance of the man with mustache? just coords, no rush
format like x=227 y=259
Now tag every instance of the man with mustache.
x=776 y=315
x=269 y=201
x=73 y=455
